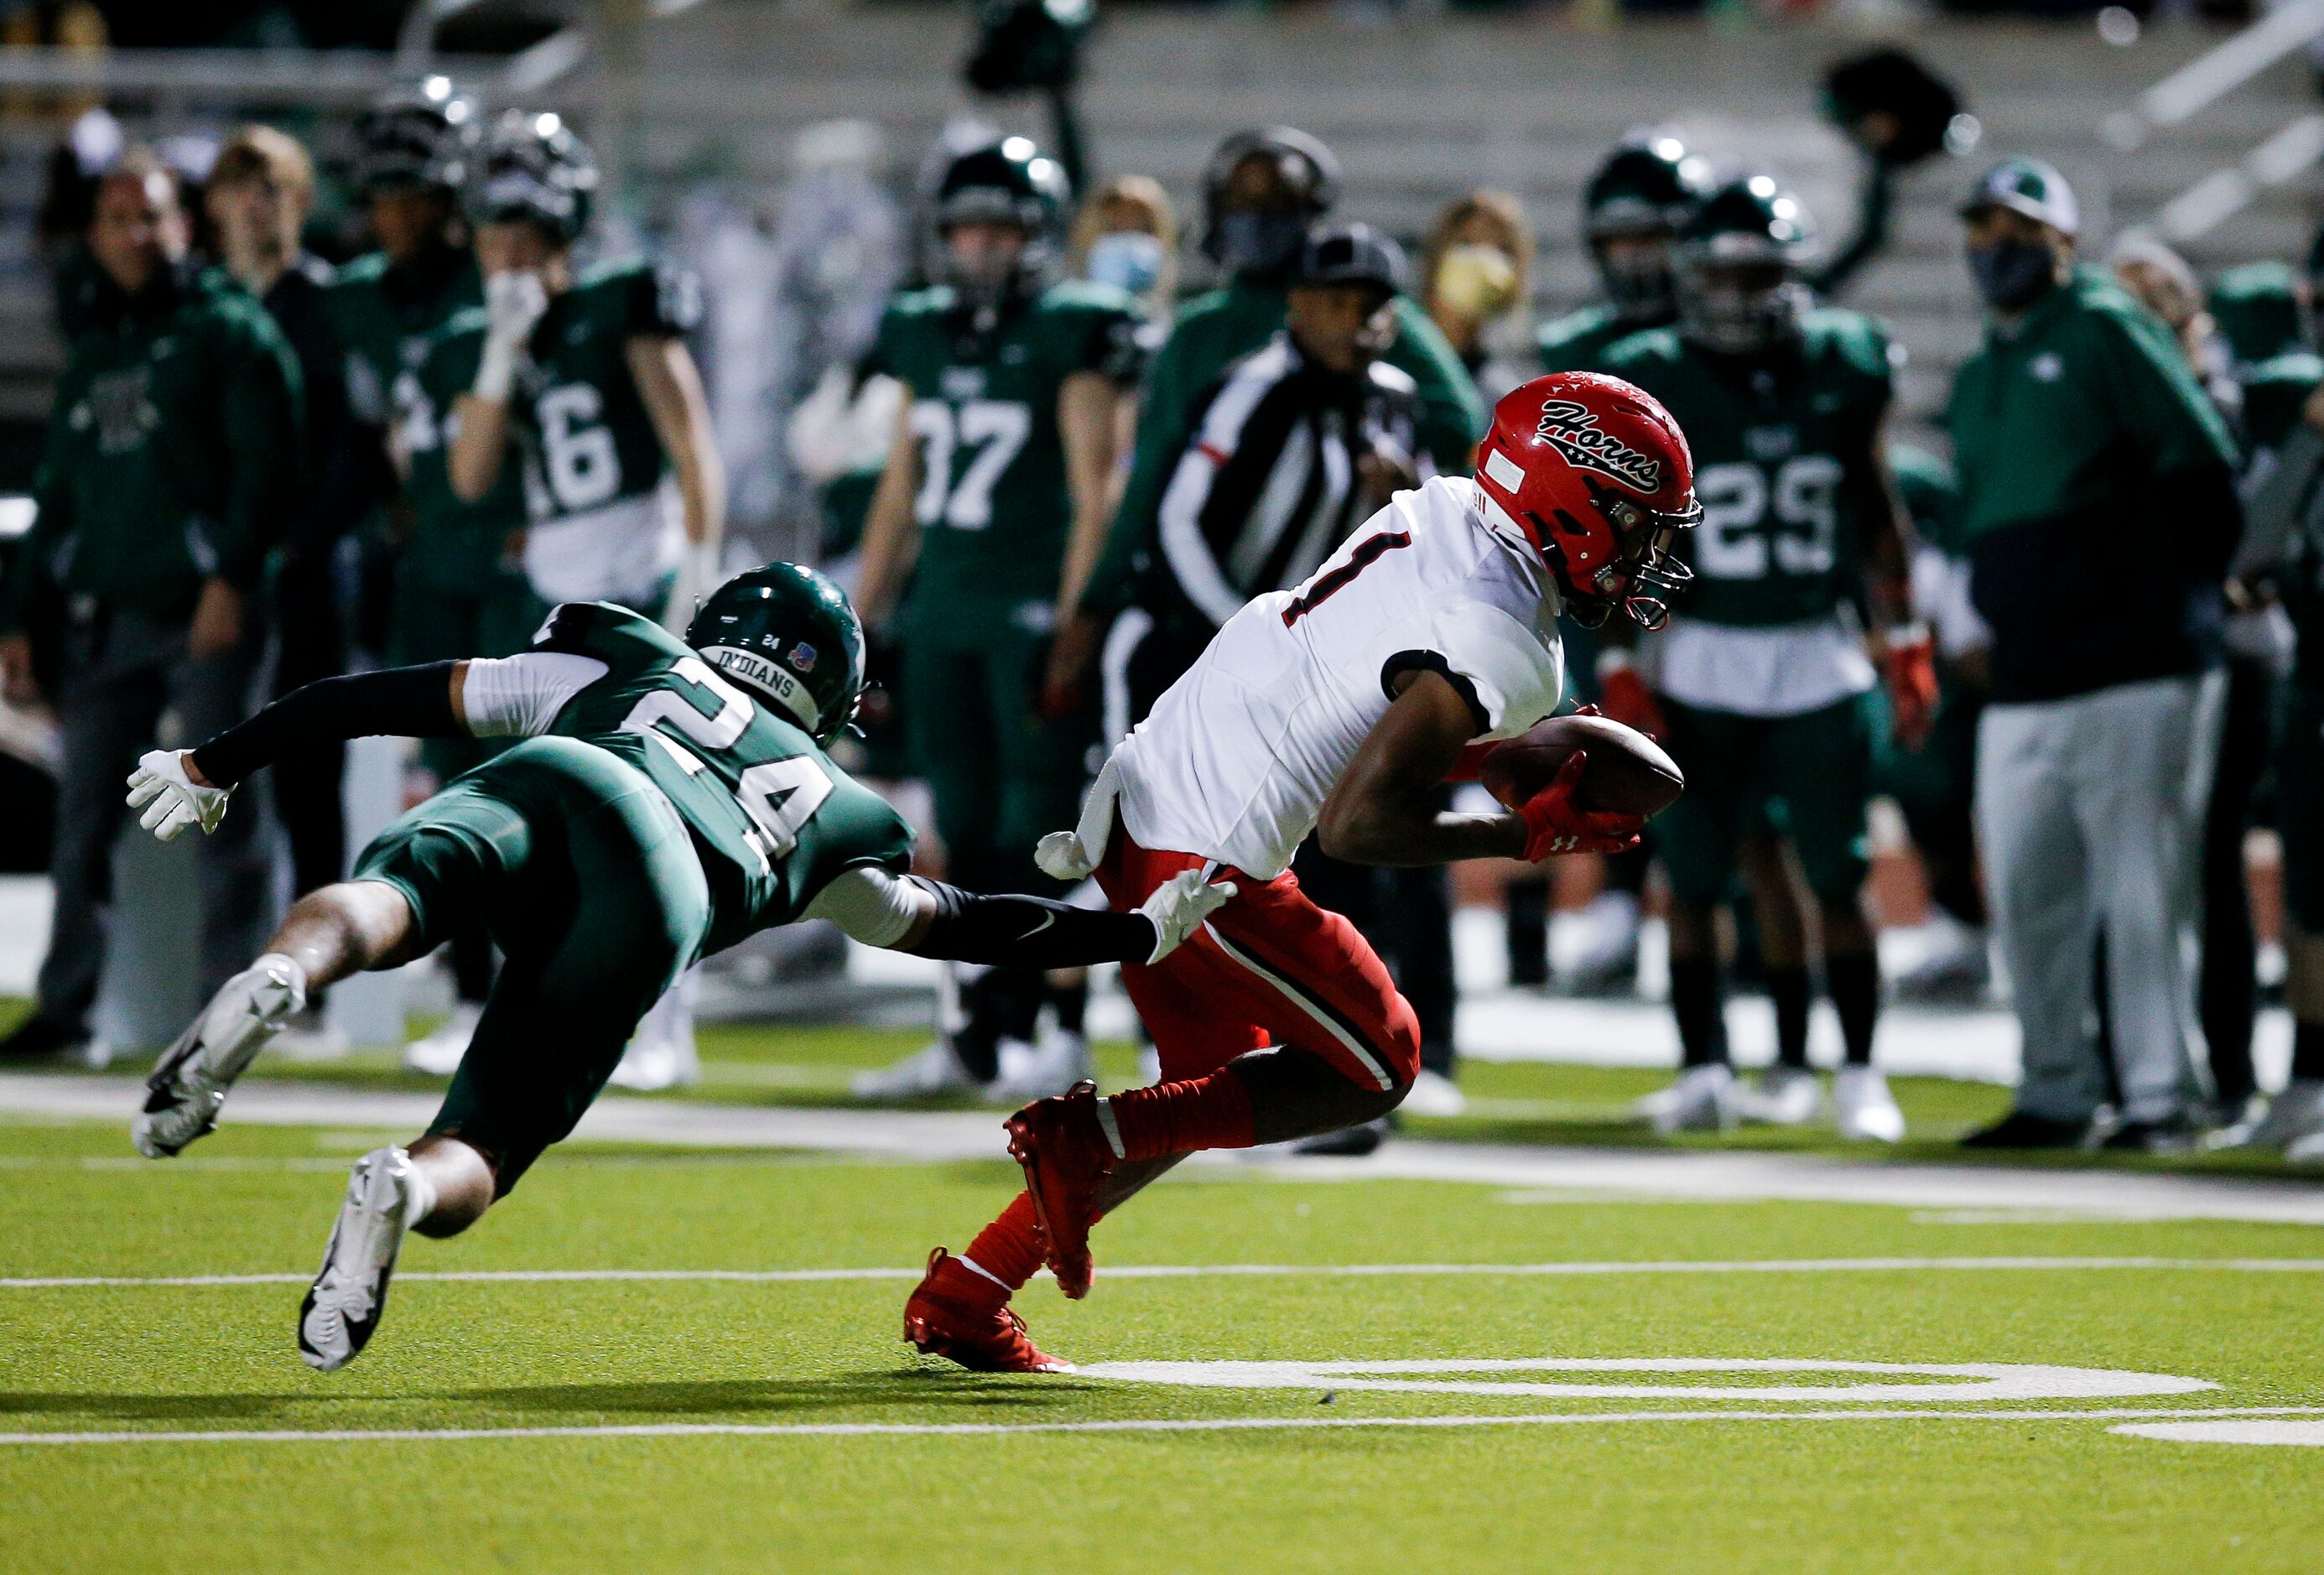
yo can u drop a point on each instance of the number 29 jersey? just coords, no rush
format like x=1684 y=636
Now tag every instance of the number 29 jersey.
x=1781 y=461
x=992 y=506
x=1236 y=757
x=772 y=819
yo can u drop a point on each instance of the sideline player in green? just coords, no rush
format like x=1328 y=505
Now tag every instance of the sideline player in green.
x=671 y=798
x=455 y=591
x=1761 y=677
x=1636 y=203
x=586 y=374
x=994 y=504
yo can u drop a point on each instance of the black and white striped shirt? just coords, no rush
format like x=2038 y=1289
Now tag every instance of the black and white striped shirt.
x=1267 y=486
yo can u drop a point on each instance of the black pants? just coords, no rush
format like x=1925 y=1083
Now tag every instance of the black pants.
x=2225 y=989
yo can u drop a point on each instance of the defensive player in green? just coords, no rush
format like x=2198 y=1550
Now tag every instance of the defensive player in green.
x=994 y=504
x=1636 y=203
x=587 y=374
x=1761 y=677
x=456 y=590
x=671 y=798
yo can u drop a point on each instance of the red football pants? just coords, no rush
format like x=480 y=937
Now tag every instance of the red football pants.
x=1269 y=968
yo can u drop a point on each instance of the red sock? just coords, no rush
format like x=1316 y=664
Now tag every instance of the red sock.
x=1010 y=1249
x=1178 y=1117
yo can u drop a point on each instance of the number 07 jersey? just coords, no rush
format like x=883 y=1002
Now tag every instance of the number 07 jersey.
x=772 y=819
x=1236 y=757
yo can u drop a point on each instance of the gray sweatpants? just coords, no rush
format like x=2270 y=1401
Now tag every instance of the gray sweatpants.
x=121 y=672
x=2090 y=811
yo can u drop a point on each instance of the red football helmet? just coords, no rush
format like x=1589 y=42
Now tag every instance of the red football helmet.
x=1596 y=474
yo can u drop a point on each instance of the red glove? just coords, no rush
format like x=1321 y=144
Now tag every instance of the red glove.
x=1908 y=664
x=1629 y=702
x=1472 y=759
x=1555 y=824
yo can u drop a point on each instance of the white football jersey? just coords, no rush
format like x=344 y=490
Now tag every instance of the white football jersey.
x=1238 y=757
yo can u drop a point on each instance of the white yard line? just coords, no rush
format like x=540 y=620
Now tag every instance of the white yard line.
x=1785 y=1266
x=1722 y=1177
x=1138 y=1424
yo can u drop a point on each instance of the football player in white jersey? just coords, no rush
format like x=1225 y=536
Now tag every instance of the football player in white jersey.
x=1339 y=707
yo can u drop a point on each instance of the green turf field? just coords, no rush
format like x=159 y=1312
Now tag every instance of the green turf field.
x=817 y=1441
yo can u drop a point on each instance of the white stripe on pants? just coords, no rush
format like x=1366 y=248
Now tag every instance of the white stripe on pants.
x=2090 y=812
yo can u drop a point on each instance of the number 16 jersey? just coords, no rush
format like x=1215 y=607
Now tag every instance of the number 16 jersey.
x=1236 y=757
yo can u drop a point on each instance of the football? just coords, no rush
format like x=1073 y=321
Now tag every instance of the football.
x=1628 y=771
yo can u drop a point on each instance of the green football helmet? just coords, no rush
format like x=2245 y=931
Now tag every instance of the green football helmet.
x=1012 y=182
x=1644 y=192
x=1736 y=267
x=531 y=167
x=422 y=135
x=789 y=636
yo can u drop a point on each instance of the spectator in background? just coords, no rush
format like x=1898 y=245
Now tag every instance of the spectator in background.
x=260 y=192
x=2099 y=512
x=1126 y=235
x=2257 y=644
x=172 y=469
x=1476 y=274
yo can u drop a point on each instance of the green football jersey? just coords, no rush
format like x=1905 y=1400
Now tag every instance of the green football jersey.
x=588 y=441
x=390 y=319
x=1579 y=341
x=993 y=506
x=1782 y=464
x=773 y=819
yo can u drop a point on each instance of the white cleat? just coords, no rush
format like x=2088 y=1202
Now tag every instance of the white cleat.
x=438 y=1054
x=932 y=1071
x=2293 y=1117
x=650 y=1065
x=1434 y=1094
x=1866 y=1111
x=1785 y=1096
x=308 y=1034
x=1609 y=952
x=1704 y=1098
x=1035 y=1071
x=342 y=1306
x=191 y=1082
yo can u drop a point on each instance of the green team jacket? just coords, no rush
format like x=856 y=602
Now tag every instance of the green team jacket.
x=174 y=452
x=1214 y=331
x=1783 y=462
x=773 y=820
x=993 y=506
x=389 y=319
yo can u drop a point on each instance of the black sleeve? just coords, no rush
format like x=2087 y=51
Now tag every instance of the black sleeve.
x=1029 y=932
x=404 y=702
x=2205 y=494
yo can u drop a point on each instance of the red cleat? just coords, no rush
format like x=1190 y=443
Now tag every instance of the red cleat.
x=1064 y=1154
x=952 y=1315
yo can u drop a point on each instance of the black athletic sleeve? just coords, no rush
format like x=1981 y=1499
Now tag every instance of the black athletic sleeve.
x=403 y=702
x=1030 y=932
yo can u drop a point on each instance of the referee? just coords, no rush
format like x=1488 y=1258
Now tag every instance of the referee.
x=1296 y=446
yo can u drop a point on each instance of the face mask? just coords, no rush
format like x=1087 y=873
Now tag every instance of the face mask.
x=1476 y=281
x=1126 y=260
x=2011 y=274
x=1258 y=245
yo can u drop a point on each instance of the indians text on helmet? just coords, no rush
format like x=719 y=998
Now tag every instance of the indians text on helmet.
x=1571 y=428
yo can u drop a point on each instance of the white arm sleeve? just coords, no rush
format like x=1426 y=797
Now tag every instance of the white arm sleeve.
x=870 y=903
x=519 y=697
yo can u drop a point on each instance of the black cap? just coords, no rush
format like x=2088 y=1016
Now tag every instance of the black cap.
x=1351 y=254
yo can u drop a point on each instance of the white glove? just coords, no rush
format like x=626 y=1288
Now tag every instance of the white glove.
x=513 y=303
x=1179 y=906
x=1061 y=857
x=173 y=802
